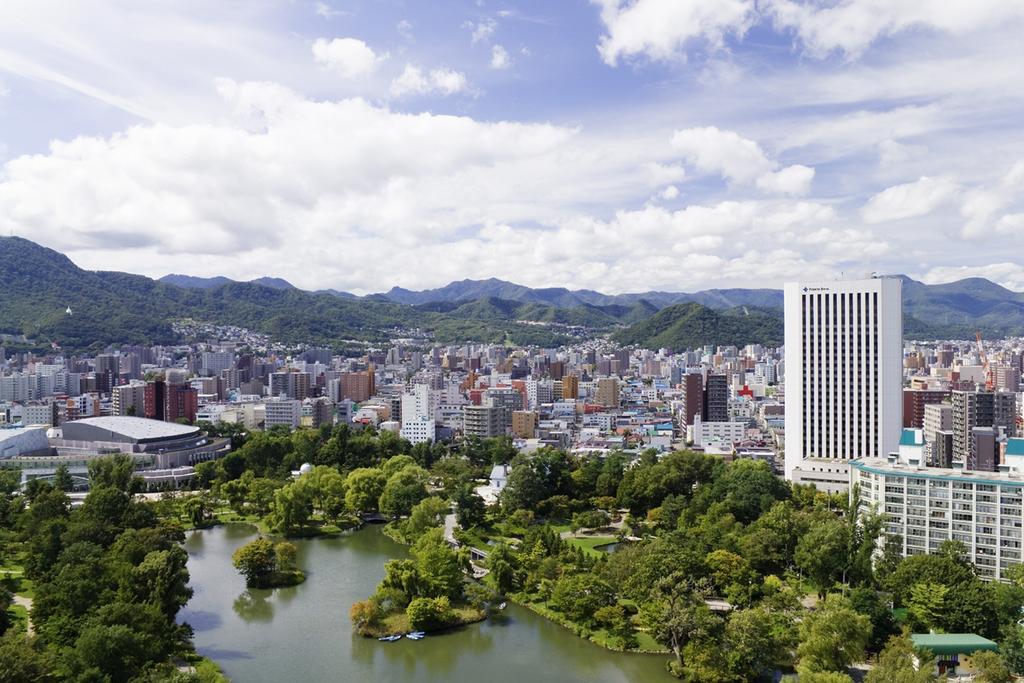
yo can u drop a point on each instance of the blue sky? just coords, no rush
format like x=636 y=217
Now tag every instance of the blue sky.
x=619 y=145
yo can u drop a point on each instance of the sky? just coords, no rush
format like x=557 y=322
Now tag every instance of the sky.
x=616 y=145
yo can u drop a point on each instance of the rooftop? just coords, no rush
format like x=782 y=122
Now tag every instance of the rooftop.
x=883 y=466
x=952 y=643
x=912 y=437
x=139 y=428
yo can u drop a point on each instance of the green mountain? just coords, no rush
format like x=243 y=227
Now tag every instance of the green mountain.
x=690 y=325
x=37 y=285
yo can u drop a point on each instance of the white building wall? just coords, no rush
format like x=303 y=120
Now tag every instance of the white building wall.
x=843 y=379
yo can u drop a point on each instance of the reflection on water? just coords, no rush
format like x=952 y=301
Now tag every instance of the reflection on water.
x=251 y=606
x=302 y=633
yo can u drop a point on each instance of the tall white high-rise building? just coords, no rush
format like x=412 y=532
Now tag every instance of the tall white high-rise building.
x=844 y=376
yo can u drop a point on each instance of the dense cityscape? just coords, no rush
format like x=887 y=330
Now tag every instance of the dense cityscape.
x=606 y=341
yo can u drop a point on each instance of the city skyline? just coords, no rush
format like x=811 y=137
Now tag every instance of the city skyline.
x=589 y=145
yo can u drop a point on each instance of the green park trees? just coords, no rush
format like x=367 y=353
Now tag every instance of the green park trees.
x=264 y=563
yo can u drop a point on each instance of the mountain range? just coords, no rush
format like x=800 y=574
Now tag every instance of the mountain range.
x=37 y=284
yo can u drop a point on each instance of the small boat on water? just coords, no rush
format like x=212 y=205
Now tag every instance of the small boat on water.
x=503 y=605
x=415 y=635
x=390 y=639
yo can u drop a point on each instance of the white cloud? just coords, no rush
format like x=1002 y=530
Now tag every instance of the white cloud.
x=348 y=57
x=404 y=28
x=669 y=193
x=1009 y=275
x=739 y=160
x=659 y=29
x=893 y=153
x=982 y=203
x=469 y=198
x=415 y=81
x=662 y=29
x=324 y=10
x=917 y=198
x=482 y=30
x=792 y=180
x=500 y=58
x=851 y=26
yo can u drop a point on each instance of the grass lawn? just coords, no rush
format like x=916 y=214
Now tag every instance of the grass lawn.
x=590 y=543
x=19 y=617
x=18 y=584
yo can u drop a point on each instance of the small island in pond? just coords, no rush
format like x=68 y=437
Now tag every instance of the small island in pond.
x=427 y=592
x=266 y=564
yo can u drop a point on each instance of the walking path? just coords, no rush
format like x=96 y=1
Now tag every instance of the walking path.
x=27 y=604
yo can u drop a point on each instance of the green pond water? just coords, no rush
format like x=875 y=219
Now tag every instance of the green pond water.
x=303 y=633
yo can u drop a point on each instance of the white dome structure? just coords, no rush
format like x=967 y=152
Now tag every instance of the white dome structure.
x=306 y=468
x=54 y=433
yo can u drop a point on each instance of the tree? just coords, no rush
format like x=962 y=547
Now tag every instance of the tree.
x=579 y=596
x=427 y=514
x=1011 y=647
x=757 y=641
x=470 y=509
x=21 y=660
x=161 y=579
x=196 y=508
x=115 y=471
x=900 y=663
x=821 y=553
x=292 y=507
x=284 y=555
x=868 y=602
x=614 y=619
x=403 y=490
x=430 y=613
x=927 y=604
x=675 y=615
x=255 y=560
x=438 y=566
x=365 y=486
x=833 y=636
x=990 y=668
x=62 y=478
x=590 y=519
x=364 y=614
x=396 y=464
x=502 y=563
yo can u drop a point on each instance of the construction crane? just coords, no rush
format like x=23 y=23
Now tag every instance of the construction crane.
x=989 y=379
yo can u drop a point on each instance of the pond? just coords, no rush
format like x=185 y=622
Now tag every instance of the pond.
x=303 y=633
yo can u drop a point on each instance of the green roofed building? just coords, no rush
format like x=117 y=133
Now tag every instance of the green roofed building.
x=952 y=643
x=948 y=647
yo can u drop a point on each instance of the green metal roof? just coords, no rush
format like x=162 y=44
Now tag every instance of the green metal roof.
x=1015 y=447
x=952 y=643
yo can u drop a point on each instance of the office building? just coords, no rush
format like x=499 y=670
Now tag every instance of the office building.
x=973 y=409
x=524 y=424
x=843 y=384
x=482 y=421
x=607 y=393
x=914 y=403
x=285 y=412
x=128 y=399
x=715 y=403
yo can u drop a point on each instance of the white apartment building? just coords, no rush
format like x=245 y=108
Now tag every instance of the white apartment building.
x=707 y=433
x=283 y=411
x=843 y=383
x=418 y=415
x=925 y=506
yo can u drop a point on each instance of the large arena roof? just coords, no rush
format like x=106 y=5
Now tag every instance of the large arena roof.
x=118 y=428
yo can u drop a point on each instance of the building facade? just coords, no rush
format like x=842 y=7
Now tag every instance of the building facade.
x=843 y=385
